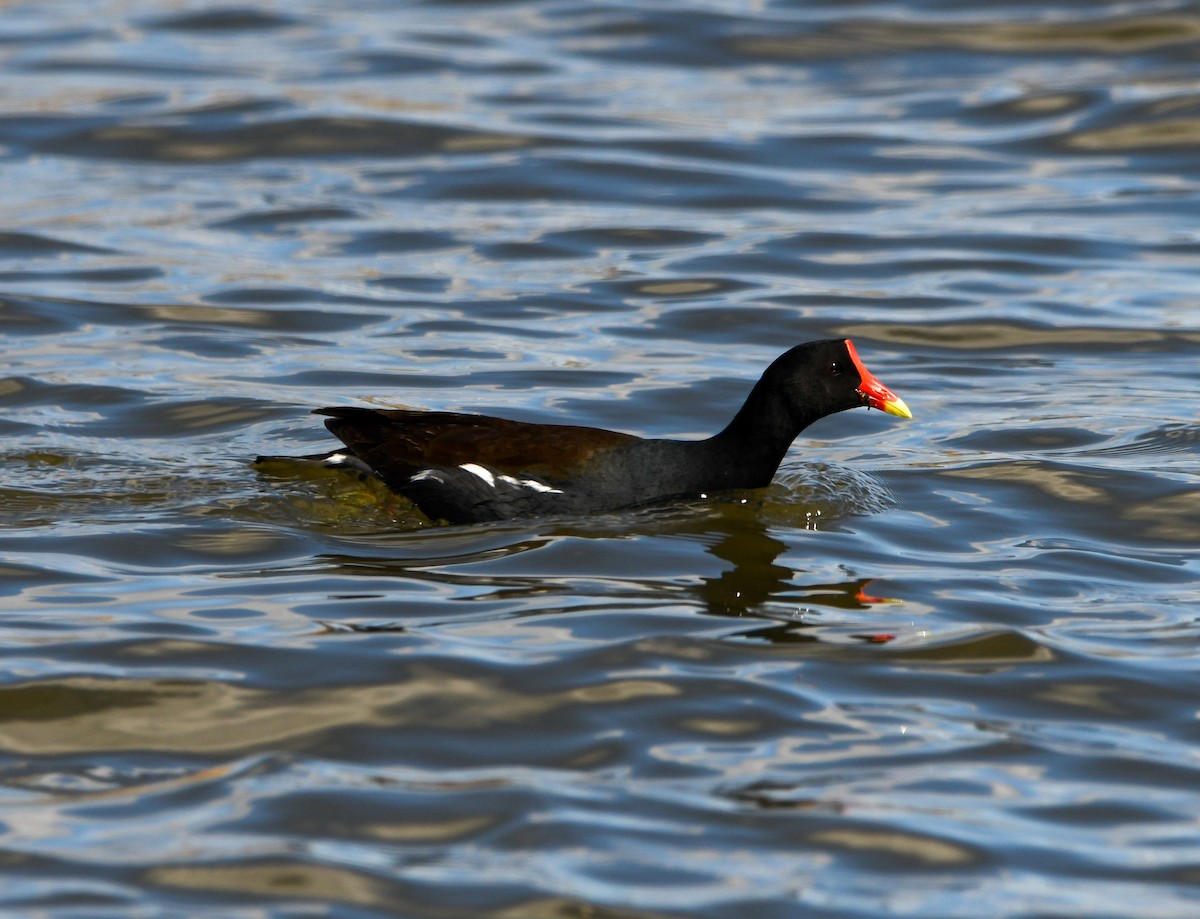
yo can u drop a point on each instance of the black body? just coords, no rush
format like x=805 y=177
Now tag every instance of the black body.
x=469 y=468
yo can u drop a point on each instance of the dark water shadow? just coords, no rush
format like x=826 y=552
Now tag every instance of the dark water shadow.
x=720 y=560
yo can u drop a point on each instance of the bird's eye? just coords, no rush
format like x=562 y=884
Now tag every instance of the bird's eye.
x=834 y=369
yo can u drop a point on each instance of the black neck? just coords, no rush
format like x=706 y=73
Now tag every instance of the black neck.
x=756 y=440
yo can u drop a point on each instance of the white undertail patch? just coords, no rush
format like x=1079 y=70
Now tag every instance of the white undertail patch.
x=342 y=460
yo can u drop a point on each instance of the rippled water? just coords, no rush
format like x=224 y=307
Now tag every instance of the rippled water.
x=940 y=668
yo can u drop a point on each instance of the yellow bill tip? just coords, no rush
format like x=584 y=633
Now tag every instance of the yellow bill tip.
x=895 y=406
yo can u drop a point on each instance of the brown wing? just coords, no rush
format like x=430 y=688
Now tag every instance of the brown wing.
x=398 y=443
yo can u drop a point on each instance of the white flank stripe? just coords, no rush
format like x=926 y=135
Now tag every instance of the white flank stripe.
x=484 y=474
x=427 y=475
x=532 y=484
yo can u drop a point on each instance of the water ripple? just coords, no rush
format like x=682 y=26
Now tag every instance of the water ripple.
x=957 y=650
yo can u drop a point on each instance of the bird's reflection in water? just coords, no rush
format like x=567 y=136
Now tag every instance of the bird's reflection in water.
x=756 y=585
x=541 y=567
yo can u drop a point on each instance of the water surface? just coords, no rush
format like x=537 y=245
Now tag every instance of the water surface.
x=944 y=667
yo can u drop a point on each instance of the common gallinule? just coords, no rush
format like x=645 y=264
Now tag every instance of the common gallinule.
x=470 y=468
